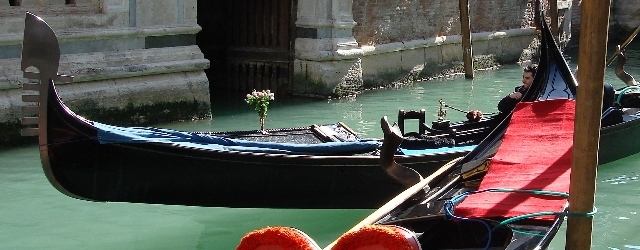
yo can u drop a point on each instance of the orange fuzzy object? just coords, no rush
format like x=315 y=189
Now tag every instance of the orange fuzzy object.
x=284 y=238
x=377 y=237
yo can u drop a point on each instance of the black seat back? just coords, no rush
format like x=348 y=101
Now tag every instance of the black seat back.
x=413 y=114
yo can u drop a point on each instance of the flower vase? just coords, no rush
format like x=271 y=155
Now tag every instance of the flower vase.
x=262 y=124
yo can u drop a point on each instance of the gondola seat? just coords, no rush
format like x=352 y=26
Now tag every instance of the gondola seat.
x=412 y=115
x=608 y=96
x=611 y=113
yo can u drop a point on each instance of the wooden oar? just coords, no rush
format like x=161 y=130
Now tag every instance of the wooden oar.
x=624 y=45
x=393 y=203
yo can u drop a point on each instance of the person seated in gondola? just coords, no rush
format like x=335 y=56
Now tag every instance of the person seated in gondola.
x=509 y=102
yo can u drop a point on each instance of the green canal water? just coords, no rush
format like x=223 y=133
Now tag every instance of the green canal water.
x=33 y=215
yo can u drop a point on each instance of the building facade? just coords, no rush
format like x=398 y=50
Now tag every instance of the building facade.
x=120 y=52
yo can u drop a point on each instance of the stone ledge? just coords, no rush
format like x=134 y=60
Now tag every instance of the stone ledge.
x=125 y=71
x=53 y=10
x=144 y=90
x=114 y=65
x=72 y=35
x=117 y=19
x=443 y=40
x=352 y=54
x=327 y=68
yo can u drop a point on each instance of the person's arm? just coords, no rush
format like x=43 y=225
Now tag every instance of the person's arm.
x=507 y=104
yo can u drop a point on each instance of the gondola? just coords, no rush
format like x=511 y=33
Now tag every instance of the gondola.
x=320 y=166
x=618 y=136
x=510 y=192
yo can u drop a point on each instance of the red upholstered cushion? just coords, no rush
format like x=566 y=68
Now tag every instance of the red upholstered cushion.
x=535 y=154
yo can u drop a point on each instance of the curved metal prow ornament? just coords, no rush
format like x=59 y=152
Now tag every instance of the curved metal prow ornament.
x=392 y=140
x=40 y=50
x=442 y=113
x=623 y=75
x=40 y=47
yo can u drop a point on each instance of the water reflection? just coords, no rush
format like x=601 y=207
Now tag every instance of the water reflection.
x=621 y=179
x=616 y=223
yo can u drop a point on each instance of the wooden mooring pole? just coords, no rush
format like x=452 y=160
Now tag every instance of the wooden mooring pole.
x=592 y=56
x=465 y=24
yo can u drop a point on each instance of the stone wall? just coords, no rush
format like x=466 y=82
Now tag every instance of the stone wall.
x=122 y=53
x=371 y=38
x=380 y=22
x=624 y=19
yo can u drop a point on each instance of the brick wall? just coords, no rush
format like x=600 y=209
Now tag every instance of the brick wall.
x=624 y=14
x=387 y=21
x=623 y=17
x=576 y=14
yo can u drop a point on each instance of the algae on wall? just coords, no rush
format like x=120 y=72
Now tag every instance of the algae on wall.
x=10 y=135
x=130 y=115
x=145 y=115
x=428 y=71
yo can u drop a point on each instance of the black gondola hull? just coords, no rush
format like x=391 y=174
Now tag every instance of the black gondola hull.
x=158 y=173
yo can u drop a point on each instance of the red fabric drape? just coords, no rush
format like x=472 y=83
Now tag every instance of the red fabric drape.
x=535 y=154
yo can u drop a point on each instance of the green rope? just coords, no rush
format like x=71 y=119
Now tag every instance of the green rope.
x=525 y=216
x=531 y=215
x=458 y=198
x=506 y=222
x=537 y=234
x=531 y=191
x=624 y=90
x=547 y=213
x=589 y=214
x=542 y=192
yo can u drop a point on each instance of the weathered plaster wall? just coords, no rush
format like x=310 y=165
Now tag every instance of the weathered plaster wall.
x=121 y=52
x=626 y=15
x=374 y=37
x=115 y=49
x=381 y=22
x=624 y=18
